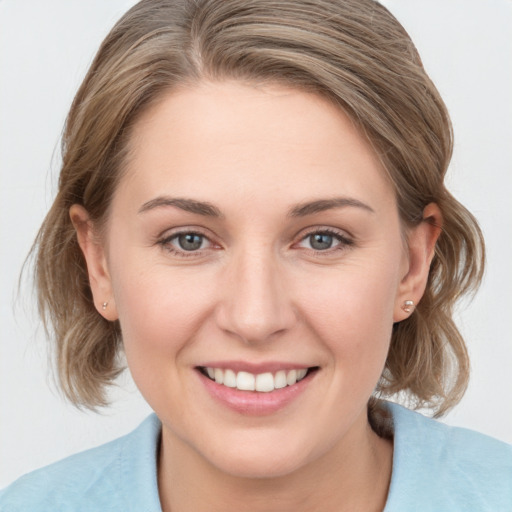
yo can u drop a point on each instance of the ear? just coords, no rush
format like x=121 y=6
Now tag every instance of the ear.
x=94 y=253
x=421 y=243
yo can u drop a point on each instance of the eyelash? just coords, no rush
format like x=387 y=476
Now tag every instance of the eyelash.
x=166 y=243
x=343 y=242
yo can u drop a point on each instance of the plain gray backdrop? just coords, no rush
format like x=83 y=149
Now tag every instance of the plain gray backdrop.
x=45 y=48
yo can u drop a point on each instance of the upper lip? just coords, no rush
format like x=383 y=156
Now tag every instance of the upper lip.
x=255 y=368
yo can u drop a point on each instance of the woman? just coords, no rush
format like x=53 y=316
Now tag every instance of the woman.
x=252 y=203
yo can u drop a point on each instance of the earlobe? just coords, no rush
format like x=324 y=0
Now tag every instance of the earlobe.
x=97 y=268
x=421 y=244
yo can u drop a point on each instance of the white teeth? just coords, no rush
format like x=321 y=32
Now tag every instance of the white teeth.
x=263 y=382
x=230 y=379
x=301 y=373
x=245 y=381
x=291 y=377
x=280 y=379
x=219 y=376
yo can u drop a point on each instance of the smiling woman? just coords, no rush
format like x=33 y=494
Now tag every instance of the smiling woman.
x=235 y=288
x=251 y=207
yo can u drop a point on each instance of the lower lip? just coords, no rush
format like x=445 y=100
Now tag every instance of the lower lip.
x=256 y=403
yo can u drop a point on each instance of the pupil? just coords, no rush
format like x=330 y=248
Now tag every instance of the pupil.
x=320 y=241
x=190 y=242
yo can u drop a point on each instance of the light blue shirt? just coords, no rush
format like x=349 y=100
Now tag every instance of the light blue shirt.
x=436 y=468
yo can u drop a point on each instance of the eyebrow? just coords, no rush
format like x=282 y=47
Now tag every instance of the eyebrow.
x=209 y=210
x=188 y=205
x=322 y=205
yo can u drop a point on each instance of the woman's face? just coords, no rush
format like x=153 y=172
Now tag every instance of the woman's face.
x=254 y=237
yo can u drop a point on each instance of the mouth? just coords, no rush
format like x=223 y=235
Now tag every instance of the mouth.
x=266 y=382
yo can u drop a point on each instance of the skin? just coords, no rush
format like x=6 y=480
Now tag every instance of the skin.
x=258 y=291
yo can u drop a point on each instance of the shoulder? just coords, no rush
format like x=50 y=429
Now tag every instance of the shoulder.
x=438 y=467
x=113 y=476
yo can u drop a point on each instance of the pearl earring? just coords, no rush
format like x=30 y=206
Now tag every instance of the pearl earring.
x=104 y=306
x=408 y=306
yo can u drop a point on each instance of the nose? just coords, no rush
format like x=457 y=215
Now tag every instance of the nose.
x=256 y=305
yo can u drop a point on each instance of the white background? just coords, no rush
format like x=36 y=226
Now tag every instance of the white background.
x=45 y=48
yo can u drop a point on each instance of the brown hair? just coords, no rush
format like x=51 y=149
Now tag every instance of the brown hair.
x=353 y=52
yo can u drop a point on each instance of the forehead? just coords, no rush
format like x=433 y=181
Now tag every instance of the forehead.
x=227 y=140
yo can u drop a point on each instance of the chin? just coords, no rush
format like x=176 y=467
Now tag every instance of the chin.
x=257 y=458
x=260 y=466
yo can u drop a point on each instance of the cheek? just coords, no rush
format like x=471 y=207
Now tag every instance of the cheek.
x=159 y=310
x=351 y=311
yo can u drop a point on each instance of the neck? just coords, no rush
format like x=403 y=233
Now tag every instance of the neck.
x=353 y=476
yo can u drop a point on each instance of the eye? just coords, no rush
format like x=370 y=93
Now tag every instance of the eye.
x=185 y=243
x=325 y=240
x=320 y=241
x=189 y=241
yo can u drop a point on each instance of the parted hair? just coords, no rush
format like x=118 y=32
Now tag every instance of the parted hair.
x=353 y=52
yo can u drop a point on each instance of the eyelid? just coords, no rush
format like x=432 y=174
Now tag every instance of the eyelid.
x=178 y=230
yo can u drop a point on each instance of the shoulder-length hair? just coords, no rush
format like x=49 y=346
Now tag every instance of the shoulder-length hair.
x=353 y=52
